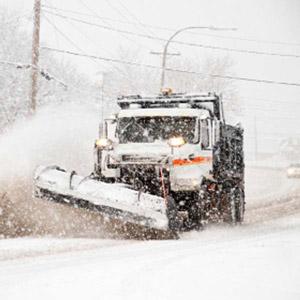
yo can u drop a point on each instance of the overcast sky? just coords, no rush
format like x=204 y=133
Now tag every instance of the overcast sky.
x=274 y=24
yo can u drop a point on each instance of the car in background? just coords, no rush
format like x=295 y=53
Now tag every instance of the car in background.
x=293 y=171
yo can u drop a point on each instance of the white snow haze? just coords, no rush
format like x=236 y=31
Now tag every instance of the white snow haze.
x=92 y=52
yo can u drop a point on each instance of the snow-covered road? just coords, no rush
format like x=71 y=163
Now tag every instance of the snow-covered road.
x=259 y=260
x=251 y=262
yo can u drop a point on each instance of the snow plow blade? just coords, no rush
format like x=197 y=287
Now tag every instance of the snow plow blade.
x=115 y=201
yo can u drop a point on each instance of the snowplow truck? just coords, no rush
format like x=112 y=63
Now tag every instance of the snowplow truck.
x=165 y=162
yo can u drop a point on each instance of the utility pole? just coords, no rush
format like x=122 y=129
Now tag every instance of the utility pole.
x=35 y=55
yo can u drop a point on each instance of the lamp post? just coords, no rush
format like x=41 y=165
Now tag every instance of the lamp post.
x=165 y=52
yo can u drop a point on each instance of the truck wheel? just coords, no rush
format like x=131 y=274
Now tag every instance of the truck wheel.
x=172 y=214
x=236 y=206
x=240 y=204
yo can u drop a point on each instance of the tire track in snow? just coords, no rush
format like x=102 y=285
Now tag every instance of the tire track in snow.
x=275 y=209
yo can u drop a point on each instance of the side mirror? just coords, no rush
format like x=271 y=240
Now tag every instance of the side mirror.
x=111 y=119
x=110 y=126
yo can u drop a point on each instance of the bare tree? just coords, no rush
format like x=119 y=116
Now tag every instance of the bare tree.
x=129 y=79
x=15 y=46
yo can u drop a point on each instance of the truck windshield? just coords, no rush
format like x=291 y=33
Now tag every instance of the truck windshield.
x=150 y=129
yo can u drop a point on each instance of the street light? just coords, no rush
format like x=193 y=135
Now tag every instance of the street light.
x=165 y=52
x=101 y=82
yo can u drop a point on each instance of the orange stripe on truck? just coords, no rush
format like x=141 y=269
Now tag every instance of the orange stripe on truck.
x=194 y=161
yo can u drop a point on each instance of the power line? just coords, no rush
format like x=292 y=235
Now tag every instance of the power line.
x=15 y=64
x=176 y=42
x=278 y=139
x=96 y=15
x=281 y=133
x=136 y=18
x=93 y=42
x=42 y=72
x=67 y=38
x=113 y=60
x=70 y=41
x=277 y=117
x=246 y=39
x=62 y=34
x=268 y=101
x=269 y=111
x=265 y=104
x=116 y=9
x=173 y=29
x=56 y=34
x=129 y=39
x=76 y=46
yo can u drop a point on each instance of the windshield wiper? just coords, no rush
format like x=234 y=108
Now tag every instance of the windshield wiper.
x=129 y=122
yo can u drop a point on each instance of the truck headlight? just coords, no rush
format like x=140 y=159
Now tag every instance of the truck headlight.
x=103 y=143
x=176 y=141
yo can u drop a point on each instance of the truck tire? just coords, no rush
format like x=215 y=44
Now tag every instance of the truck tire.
x=240 y=203
x=236 y=206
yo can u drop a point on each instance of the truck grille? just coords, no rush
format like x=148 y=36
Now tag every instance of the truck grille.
x=142 y=159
